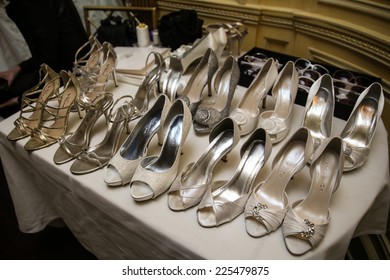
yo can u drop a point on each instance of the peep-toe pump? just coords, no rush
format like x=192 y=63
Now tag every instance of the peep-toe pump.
x=277 y=122
x=97 y=156
x=54 y=117
x=268 y=204
x=190 y=185
x=155 y=174
x=223 y=87
x=33 y=102
x=307 y=220
x=360 y=128
x=247 y=112
x=121 y=168
x=225 y=200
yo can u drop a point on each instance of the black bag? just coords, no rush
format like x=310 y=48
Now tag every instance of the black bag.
x=117 y=31
x=179 y=28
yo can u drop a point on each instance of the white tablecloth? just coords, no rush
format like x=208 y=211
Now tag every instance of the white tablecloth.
x=110 y=224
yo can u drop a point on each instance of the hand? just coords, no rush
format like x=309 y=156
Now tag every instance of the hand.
x=10 y=74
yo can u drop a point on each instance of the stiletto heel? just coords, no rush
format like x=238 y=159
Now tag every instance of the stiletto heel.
x=225 y=200
x=267 y=205
x=155 y=174
x=247 y=113
x=190 y=185
x=277 y=122
x=122 y=166
x=79 y=140
x=33 y=102
x=306 y=222
x=96 y=157
x=88 y=57
x=200 y=78
x=318 y=116
x=360 y=128
x=54 y=117
x=223 y=88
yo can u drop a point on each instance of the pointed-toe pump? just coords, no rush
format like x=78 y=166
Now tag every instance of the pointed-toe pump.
x=155 y=174
x=307 y=220
x=54 y=117
x=97 y=156
x=268 y=203
x=192 y=94
x=223 y=87
x=33 y=102
x=121 y=168
x=360 y=128
x=277 y=122
x=190 y=185
x=319 y=109
x=223 y=201
x=247 y=112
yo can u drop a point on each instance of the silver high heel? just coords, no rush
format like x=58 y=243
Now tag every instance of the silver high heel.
x=88 y=57
x=318 y=116
x=121 y=168
x=360 y=128
x=306 y=221
x=225 y=200
x=277 y=122
x=155 y=174
x=96 y=157
x=267 y=205
x=190 y=185
x=247 y=112
x=223 y=87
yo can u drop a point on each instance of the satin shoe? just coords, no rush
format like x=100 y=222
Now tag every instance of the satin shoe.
x=307 y=220
x=277 y=122
x=360 y=128
x=190 y=185
x=155 y=174
x=319 y=109
x=33 y=102
x=223 y=201
x=268 y=203
x=54 y=117
x=247 y=113
x=223 y=87
x=121 y=168
x=97 y=156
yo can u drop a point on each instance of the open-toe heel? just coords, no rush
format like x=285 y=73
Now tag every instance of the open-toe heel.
x=247 y=112
x=306 y=221
x=223 y=201
x=88 y=57
x=155 y=174
x=267 y=205
x=277 y=121
x=223 y=87
x=121 y=168
x=190 y=185
x=360 y=128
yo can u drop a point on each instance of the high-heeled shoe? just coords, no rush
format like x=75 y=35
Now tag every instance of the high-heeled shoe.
x=225 y=200
x=223 y=87
x=33 y=102
x=307 y=220
x=192 y=94
x=96 y=157
x=267 y=205
x=155 y=174
x=277 y=122
x=54 y=117
x=319 y=109
x=121 y=168
x=190 y=185
x=247 y=112
x=75 y=143
x=360 y=128
x=88 y=57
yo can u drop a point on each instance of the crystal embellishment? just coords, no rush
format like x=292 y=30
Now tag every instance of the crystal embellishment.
x=310 y=229
x=256 y=210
